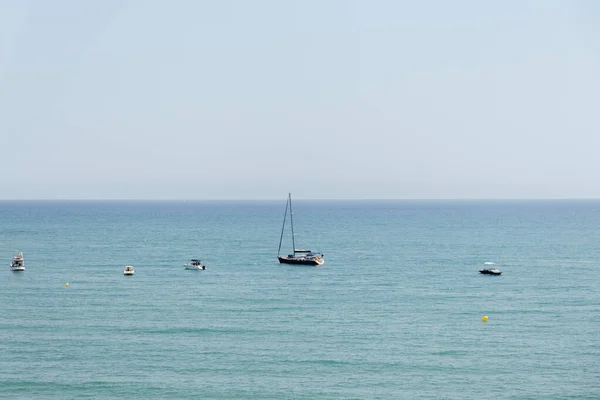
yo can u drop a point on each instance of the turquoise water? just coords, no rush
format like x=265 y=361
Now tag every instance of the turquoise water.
x=394 y=313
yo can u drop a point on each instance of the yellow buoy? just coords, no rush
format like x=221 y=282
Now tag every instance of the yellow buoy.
x=484 y=318
x=66 y=284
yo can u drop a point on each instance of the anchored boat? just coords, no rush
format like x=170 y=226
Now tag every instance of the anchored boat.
x=489 y=269
x=17 y=263
x=299 y=257
x=194 y=264
x=128 y=270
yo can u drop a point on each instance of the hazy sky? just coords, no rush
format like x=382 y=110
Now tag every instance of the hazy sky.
x=327 y=99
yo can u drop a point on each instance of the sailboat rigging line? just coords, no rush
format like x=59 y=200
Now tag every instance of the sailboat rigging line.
x=283 y=226
x=292 y=223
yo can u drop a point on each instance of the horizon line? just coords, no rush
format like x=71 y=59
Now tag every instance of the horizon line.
x=319 y=199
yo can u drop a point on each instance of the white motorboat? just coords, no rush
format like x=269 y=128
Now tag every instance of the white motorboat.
x=194 y=264
x=17 y=263
x=128 y=270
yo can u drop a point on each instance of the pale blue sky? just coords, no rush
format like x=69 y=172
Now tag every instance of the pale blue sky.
x=326 y=99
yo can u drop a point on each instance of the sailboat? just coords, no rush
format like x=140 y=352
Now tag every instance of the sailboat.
x=299 y=257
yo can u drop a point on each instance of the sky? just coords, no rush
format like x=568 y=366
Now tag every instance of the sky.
x=336 y=99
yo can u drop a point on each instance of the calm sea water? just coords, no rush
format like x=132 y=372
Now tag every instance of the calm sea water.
x=394 y=313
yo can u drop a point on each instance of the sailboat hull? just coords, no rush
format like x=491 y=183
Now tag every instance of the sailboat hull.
x=300 y=261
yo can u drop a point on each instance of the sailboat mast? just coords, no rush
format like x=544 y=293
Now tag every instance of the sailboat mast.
x=282 y=227
x=292 y=223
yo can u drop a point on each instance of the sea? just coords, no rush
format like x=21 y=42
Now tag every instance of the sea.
x=396 y=311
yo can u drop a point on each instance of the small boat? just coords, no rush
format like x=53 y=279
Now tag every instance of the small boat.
x=194 y=264
x=17 y=263
x=489 y=270
x=128 y=270
x=298 y=257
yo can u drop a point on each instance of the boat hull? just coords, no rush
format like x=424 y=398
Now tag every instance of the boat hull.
x=490 y=272
x=300 y=261
x=195 y=267
x=17 y=269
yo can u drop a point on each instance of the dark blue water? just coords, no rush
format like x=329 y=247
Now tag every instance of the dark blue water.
x=394 y=313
